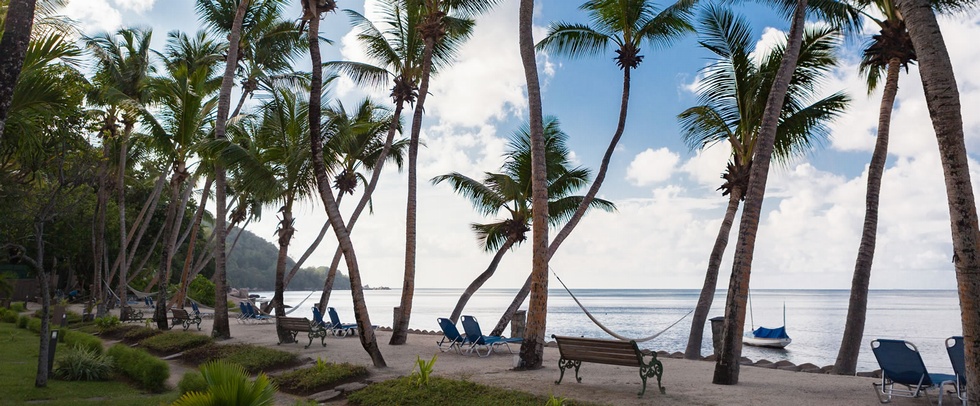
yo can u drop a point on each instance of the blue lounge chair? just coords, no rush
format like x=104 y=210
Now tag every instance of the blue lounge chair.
x=954 y=347
x=901 y=364
x=197 y=311
x=450 y=336
x=255 y=315
x=318 y=318
x=246 y=315
x=476 y=338
x=340 y=329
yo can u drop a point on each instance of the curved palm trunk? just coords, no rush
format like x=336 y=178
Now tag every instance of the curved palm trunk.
x=312 y=248
x=857 y=307
x=943 y=100
x=198 y=216
x=532 y=348
x=177 y=239
x=121 y=203
x=583 y=206
x=365 y=198
x=727 y=366
x=101 y=206
x=285 y=234
x=693 y=350
x=170 y=238
x=13 y=47
x=365 y=332
x=480 y=280
x=221 y=328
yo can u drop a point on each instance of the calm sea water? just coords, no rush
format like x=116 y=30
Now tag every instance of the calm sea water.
x=814 y=318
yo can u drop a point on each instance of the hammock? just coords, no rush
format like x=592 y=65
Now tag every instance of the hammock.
x=606 y=329
x=300 y=303
x=139 y=294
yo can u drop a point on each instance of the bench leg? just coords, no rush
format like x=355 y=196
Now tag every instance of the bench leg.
x=310 y=335
x=567 y=363
x=655 y=368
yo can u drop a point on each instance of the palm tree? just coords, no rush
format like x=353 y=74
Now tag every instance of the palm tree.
x=185 y=96
x=445 y=24
x=13 y=46
x=732 y=96
x=123 y=77
x=625 y=24
x=887 y=53
x=510 y=191
x=942 y=97
x=366 y=334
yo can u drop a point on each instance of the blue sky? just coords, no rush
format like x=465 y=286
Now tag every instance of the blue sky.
x=669 y=211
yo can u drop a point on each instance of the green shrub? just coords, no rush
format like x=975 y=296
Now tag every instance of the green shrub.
x=106 y=322
x=34 y=324
x=114 y=333
x=22 y=321
x=201 y=289
x=319 y=377
x=79 y=339
x=140 y=333
x=254 y=358
x=192 y=381
x=175 y=341
x=18 y=307
x=151 y=372
x=8 y=316
x=441 y=391
x=228 y=384
x=82 y=364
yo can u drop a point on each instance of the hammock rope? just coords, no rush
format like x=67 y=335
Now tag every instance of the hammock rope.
x=300 y=303
x=606 y=329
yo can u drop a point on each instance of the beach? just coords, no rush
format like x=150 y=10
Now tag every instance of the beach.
x=686 y=382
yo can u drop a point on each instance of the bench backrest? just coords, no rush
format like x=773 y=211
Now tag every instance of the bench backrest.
x=294 y=323
x=180 y=313
x=597 y=350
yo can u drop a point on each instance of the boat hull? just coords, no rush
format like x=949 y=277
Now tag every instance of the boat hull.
x=766 y=342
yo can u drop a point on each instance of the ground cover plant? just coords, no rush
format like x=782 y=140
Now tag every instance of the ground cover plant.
x=139 y=334
x=321 y=376
x=253 y=358
x=19 y=360
x=174 y=341
x=149 y=372
x=82 y=364
x=441 y=391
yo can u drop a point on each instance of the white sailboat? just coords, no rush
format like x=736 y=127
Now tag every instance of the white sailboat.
x=767 y=337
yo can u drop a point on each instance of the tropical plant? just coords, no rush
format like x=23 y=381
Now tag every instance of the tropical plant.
x=510 y=191
x=81 y=364
x=942 y=97
x=732 y=96
x=229 y=384
x=422 y=370
x=624 y=25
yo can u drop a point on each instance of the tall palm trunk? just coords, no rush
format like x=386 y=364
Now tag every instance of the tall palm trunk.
x=195 y=228
x=480 y=280
x=365 y=198
x=693 y=350
x=583 y=206
x=311 y=249
x=532 y=348
x=101 y=206
x=285 y=234
x=366 y=334
x=857 y=307
x=727 y=366
x=170 y=238
x=44 y=281
x=943 y=100
x=221 y=328
x=122 y=291
x=13 y=47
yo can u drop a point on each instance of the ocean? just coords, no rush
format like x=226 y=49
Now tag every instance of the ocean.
x=814 y=318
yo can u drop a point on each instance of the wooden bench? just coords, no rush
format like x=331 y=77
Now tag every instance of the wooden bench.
x=576 y=350
x=127 y=313
x=181 y=316
x=296 y=325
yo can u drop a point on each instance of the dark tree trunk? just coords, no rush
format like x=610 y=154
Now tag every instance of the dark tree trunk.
x=693 y=350
x=122 y=290
x=727 y=366
x=170 y=237
x=943 y=100
x=13 y=47
x=480 y=280
x=857 y=307
x=285 y=235
x=195 y=228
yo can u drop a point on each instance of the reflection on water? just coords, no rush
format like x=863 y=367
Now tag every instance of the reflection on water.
x=814 y=318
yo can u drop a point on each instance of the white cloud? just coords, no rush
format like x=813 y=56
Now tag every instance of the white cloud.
x=652 y=166
x=134 y=5
x=94 y=15
x=707 y=165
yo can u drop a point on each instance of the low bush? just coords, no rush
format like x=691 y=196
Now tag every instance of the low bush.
x=106 y=322
x=22 y=321
x=79 y=339
x=442 y=391
x=192 y=381
x=82 y=364
x=175 y=341
x=149 y=371
x=139 y=334
x=8 y=316
x=18 y=307
x=319 y=377
x=117 y=333
x=34 y=324
x=253 y=358
x=229 y=384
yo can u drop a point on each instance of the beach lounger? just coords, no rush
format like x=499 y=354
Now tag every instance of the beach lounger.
x=340 y=329
x=451 y=338
x=245 y=316
x=954 y=347
x=902 y=365
x=474 y=335
x=318 y=318
x=255 y=315
x=197 y=311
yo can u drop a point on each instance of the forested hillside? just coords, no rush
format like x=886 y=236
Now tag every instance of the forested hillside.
x=252 y=264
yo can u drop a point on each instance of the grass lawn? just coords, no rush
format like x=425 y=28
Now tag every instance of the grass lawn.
x=442 y=391
x=19 y=360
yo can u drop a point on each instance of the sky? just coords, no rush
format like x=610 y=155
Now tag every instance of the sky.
x=669 y=210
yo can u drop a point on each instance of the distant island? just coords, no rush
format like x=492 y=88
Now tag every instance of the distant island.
x=368 y=287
